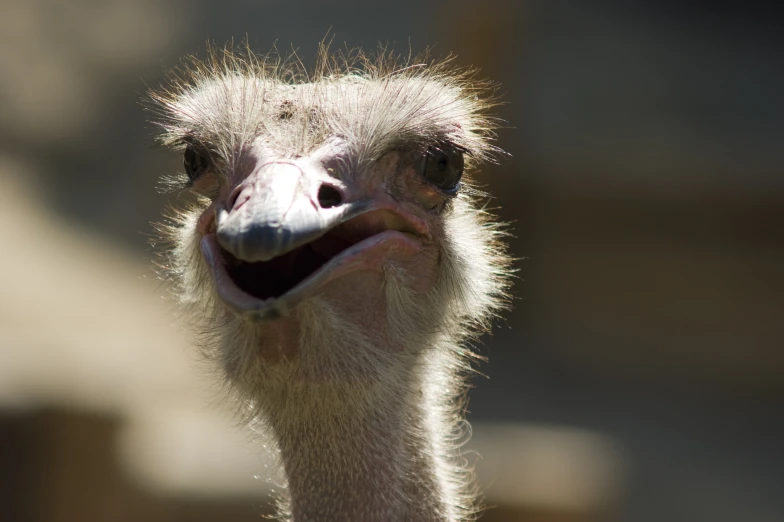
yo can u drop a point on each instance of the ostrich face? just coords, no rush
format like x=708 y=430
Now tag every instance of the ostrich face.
x=280 y=230
x=332 y=211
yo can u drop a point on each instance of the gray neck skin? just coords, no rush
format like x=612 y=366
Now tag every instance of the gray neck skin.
x=356 y=454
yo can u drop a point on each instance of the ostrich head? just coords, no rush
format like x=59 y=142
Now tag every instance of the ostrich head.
x=336 y=261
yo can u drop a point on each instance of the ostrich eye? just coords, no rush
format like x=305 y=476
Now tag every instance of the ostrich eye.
x=443 y=167
x=195 y=162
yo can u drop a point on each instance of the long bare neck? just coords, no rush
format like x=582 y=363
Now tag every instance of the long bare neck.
x=365 y=448
x=359 y=461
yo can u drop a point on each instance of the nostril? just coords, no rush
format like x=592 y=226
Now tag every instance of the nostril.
x=329 y=196
x=232 y=200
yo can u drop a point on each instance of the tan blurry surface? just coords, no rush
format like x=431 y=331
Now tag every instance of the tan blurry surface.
x=84 y=326
x=81 y=323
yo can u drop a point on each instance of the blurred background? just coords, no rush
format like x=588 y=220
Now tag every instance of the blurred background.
x=639 y=376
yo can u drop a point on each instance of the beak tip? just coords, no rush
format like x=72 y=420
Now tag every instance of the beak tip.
x=256 y=244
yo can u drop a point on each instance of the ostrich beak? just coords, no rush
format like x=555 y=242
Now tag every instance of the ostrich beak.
x=279 y=208
x=285 y=231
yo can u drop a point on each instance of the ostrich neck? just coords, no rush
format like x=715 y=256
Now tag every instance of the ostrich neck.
x=358 y=452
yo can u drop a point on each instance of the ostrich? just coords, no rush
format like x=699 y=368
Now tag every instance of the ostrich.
x=337 y=265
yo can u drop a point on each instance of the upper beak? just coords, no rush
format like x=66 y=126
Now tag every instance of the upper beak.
x=279 y=207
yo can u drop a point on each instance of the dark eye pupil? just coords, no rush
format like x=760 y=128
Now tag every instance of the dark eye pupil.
x=443 y=167
x=194 y=162
x=442 y=163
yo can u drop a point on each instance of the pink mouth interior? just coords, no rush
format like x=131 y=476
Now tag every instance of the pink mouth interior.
x=276 y=277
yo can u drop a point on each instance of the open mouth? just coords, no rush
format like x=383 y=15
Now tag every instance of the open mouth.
x=276 y=277
x=268 y=289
